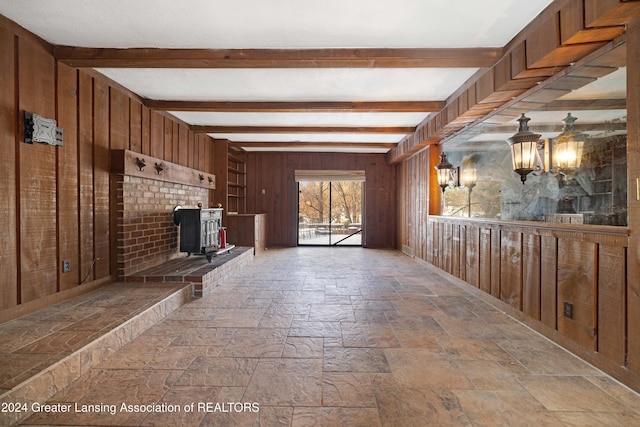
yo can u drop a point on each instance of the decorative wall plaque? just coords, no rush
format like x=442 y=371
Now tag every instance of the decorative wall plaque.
x=41 y=129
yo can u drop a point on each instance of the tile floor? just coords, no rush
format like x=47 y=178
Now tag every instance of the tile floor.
x=341 y=336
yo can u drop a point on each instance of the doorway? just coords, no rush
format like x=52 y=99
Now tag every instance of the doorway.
x=330 y=210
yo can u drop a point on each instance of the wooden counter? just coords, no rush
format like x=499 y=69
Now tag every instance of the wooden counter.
x=246 y=230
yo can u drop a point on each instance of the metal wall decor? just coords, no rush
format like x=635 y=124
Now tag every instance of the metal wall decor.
x=41 y=129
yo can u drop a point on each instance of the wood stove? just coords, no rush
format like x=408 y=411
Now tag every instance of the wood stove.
x=199 y=230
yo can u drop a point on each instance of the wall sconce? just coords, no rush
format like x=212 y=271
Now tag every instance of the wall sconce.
x=201 y=178
x=159 y=167
x=469 y=180
x=524 y=149
x=567 y=147
x=449 y=176
x=444 y=172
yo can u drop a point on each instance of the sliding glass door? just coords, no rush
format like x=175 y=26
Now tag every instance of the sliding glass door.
x=330 y=213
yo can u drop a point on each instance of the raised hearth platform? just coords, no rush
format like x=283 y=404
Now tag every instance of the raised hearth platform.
x=43 y=352
x=196 y=270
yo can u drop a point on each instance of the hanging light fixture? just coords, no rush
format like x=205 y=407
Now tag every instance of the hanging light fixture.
x=567 y=147
x=524 y=149
x=443 y=170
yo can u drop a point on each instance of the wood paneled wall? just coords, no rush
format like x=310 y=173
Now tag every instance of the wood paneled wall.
x=537 y=268
x=531 y=270
x=413 y=204
x=271 y=189
x=633 y=174
x=57 y=203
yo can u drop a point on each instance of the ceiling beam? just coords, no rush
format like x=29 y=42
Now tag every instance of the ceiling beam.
x=301 y=107
x=302 y=129
x=277 y=58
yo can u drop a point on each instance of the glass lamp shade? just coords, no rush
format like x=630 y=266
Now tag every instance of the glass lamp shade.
x=443 y=171
x=524 y=149
x=567 y=148
x=470 y=177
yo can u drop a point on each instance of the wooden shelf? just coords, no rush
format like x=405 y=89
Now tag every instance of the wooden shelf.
x=232 y=180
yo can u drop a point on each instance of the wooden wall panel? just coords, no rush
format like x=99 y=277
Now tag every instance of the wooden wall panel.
x=485 y=259
x=8 y=208
x=280 y=197
x=146 y=131
x=472 y=255
x=175 y=156
x=463 y=252
x=191 y=151
x=85 y=176
x=633 y=166
x=495 y=261
x=201 y=163
x=58 y=203
x=38 y=198
x=183 y=151
x=168 y=140
x=101 y=176
x=531 y=275
x=577 y=285
x=437 y=244
x=612 y=303
x=548 y=281
x=135 y=126
x=67 y=116
x=431 y=243
x=404 y=220
x=156 y=135
x=511 y=268
x=119 y=127
x=119 y=136
x=455 y=250
x=446 y=247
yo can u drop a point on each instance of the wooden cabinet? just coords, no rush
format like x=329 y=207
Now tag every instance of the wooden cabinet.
x=231 y=178
x=247 y=230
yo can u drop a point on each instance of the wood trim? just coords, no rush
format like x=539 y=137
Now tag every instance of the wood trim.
x=330 y=144
x=124 y=162
x=277 y=58
x=301 y=129
x=285 y=107
x=550 y=60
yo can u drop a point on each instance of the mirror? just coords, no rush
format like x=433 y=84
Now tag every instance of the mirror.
x=593 y=193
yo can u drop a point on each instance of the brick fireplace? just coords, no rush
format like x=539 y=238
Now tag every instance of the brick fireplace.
x=146 y=235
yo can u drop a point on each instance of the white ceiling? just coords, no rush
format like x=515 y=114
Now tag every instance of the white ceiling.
x=284 y=24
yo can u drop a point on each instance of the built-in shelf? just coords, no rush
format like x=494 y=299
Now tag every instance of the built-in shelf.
x=231 y=170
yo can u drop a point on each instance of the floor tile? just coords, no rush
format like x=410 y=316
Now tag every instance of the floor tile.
x=321 y=337
x=290 y=382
